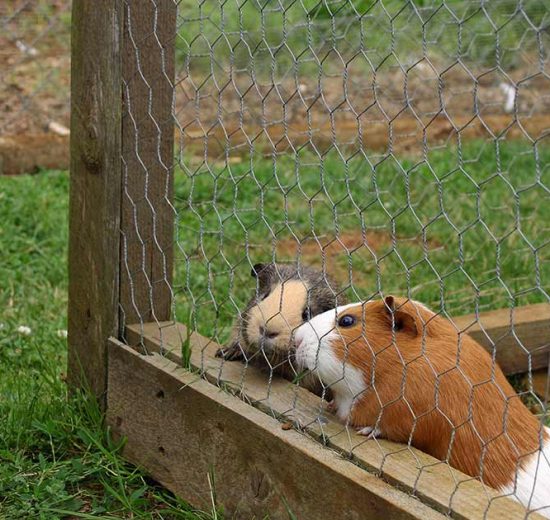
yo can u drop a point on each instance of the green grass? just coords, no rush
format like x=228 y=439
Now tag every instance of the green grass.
x=470 y=227
x=275 y=37
x=55 y=459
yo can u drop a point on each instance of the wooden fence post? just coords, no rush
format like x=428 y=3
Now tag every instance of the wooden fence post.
x=147 y=217
x=122 y=142
x=95 y=191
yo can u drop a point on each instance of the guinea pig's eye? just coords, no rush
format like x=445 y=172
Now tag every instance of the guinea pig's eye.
x=306 y=315
x=346 y=321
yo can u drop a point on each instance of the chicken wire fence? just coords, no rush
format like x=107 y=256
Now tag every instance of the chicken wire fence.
x=34 y=67
x=343 y=151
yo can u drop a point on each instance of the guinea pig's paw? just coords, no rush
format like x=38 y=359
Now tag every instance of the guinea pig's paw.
x=369 y=431
x=231 y=353
x=331 y=406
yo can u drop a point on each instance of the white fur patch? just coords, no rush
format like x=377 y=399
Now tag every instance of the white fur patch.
x=313 y=340
x=532 y=485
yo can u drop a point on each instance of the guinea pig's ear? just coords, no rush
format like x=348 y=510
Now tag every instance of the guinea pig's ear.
x=256 y=270
x=262 y=272
x=400 y=317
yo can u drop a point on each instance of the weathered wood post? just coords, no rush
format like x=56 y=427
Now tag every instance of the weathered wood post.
x=95 y=191
x=121 y=213
x=147 y=217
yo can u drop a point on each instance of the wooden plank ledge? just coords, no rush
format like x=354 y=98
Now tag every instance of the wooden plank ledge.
x=209 y=447
x=432 y=481
x=521 y=336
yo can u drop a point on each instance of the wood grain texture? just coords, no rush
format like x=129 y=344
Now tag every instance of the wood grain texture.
x=520 y=336
x=147 y=221
x=432 y=481
x=541 y=383
x=197 y=440
x=94 y=209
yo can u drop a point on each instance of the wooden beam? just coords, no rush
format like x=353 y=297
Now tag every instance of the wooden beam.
x=94 y=209
x=412 y=471
x=207 y=445
x=541 y=383
x=147 y=222
x=28 y=153
x=520 y=336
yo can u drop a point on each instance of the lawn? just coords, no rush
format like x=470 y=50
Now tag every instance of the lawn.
x=282 y=33
x=55 y=462
x=458 y=229
x=455 y=229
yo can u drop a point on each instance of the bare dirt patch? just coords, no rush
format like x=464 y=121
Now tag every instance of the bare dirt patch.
x=404 y=134
x=388 y=112
x=350 y=107
x=332 y=253
x=34 y=84
x=34 y=65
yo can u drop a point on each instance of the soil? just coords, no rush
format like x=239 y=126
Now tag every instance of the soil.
x=394 y=109
x=332 y=252
x=34 y=85
x=28 y=153
x=34 y=65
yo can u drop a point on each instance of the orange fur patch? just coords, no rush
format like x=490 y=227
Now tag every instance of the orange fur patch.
x=438 y=390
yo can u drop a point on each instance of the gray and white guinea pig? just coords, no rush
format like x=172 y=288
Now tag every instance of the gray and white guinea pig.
x=400 y=371
x=286 y=296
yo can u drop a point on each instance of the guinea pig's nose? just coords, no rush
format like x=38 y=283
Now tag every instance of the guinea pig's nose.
x=268 y=334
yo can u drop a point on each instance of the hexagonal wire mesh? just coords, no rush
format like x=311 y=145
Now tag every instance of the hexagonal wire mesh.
x=368 y=149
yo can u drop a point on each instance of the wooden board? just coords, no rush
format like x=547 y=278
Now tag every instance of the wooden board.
x=432 y=481
x=207 y=445
x=147 y=222
x=402 y=134
x=541 y=383
x=94 y=209
x=520 y=336
x=28 y=153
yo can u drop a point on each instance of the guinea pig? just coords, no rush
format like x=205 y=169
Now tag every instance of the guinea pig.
x=398 y=370
x=286 y=296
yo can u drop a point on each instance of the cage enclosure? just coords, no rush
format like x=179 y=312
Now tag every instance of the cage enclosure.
x=241 y=168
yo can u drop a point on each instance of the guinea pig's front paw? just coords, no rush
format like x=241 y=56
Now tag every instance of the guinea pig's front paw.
x=331 y=406
x=231 y=353
x=370 y=432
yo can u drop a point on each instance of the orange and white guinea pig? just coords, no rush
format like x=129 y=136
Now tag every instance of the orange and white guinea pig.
x=399 y=371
